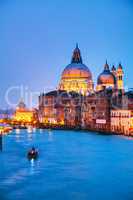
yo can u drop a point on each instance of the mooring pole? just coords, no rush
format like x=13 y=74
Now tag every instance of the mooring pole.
x=1 y=142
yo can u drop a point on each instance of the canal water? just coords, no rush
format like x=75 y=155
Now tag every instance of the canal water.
x=71 y=166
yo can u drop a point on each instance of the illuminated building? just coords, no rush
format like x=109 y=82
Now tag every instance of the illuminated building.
x=96 y=112
x=76 y=76
x=47 y=109
x=6 y=115
x=122 y=121
x=23 y=115
x=76 y=103
x=59 y=107
x=110 y=78
x=127 y=100
x=5 y=128
x=119 y=77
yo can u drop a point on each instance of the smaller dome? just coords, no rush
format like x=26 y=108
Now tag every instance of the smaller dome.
x=106 y=77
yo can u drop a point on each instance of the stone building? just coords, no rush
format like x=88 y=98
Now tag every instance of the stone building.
x=96 y=112
x=61 y=108
x=122 y=116
x=122 y=121
x=127 y=100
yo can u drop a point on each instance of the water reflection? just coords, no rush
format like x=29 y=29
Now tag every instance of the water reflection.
x=17 y=131
x=17 y=138
x=50 y=135
x=127 y=137
x=32 y=166
x=34 y=130
x=29 y=136
x=30 y=129
x=41 y=130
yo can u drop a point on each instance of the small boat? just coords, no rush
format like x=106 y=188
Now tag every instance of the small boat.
x=32 y=154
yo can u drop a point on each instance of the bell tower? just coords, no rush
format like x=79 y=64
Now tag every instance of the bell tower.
x=120 y=74
x=113 y=70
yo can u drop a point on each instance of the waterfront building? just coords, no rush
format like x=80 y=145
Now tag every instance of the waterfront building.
x=47 y=108
x=96 y=112
x=6 y=115
x=127 y=100
x=122 y=114
x=122 y=121
x=59 y=107
x=24 y=115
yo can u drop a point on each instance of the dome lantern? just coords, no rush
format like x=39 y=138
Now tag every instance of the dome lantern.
x=106 y=66
x=76 y=58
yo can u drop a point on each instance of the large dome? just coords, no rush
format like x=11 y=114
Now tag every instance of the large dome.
x=76 y=76
x=76 y=70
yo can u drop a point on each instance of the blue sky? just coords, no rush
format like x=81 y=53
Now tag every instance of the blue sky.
x=37 y=38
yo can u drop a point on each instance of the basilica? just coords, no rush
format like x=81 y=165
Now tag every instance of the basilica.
x=77 y=101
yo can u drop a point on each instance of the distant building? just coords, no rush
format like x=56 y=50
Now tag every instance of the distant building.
x=23 y=115
x=6 y=115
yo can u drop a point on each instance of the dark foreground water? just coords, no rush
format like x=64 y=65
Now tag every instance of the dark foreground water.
x=72 y=165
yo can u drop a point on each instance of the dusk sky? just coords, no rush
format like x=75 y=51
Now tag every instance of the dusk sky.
x=37 y=38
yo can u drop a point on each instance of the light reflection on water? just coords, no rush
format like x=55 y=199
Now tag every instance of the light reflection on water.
x=33 y=166
x=71 y=165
